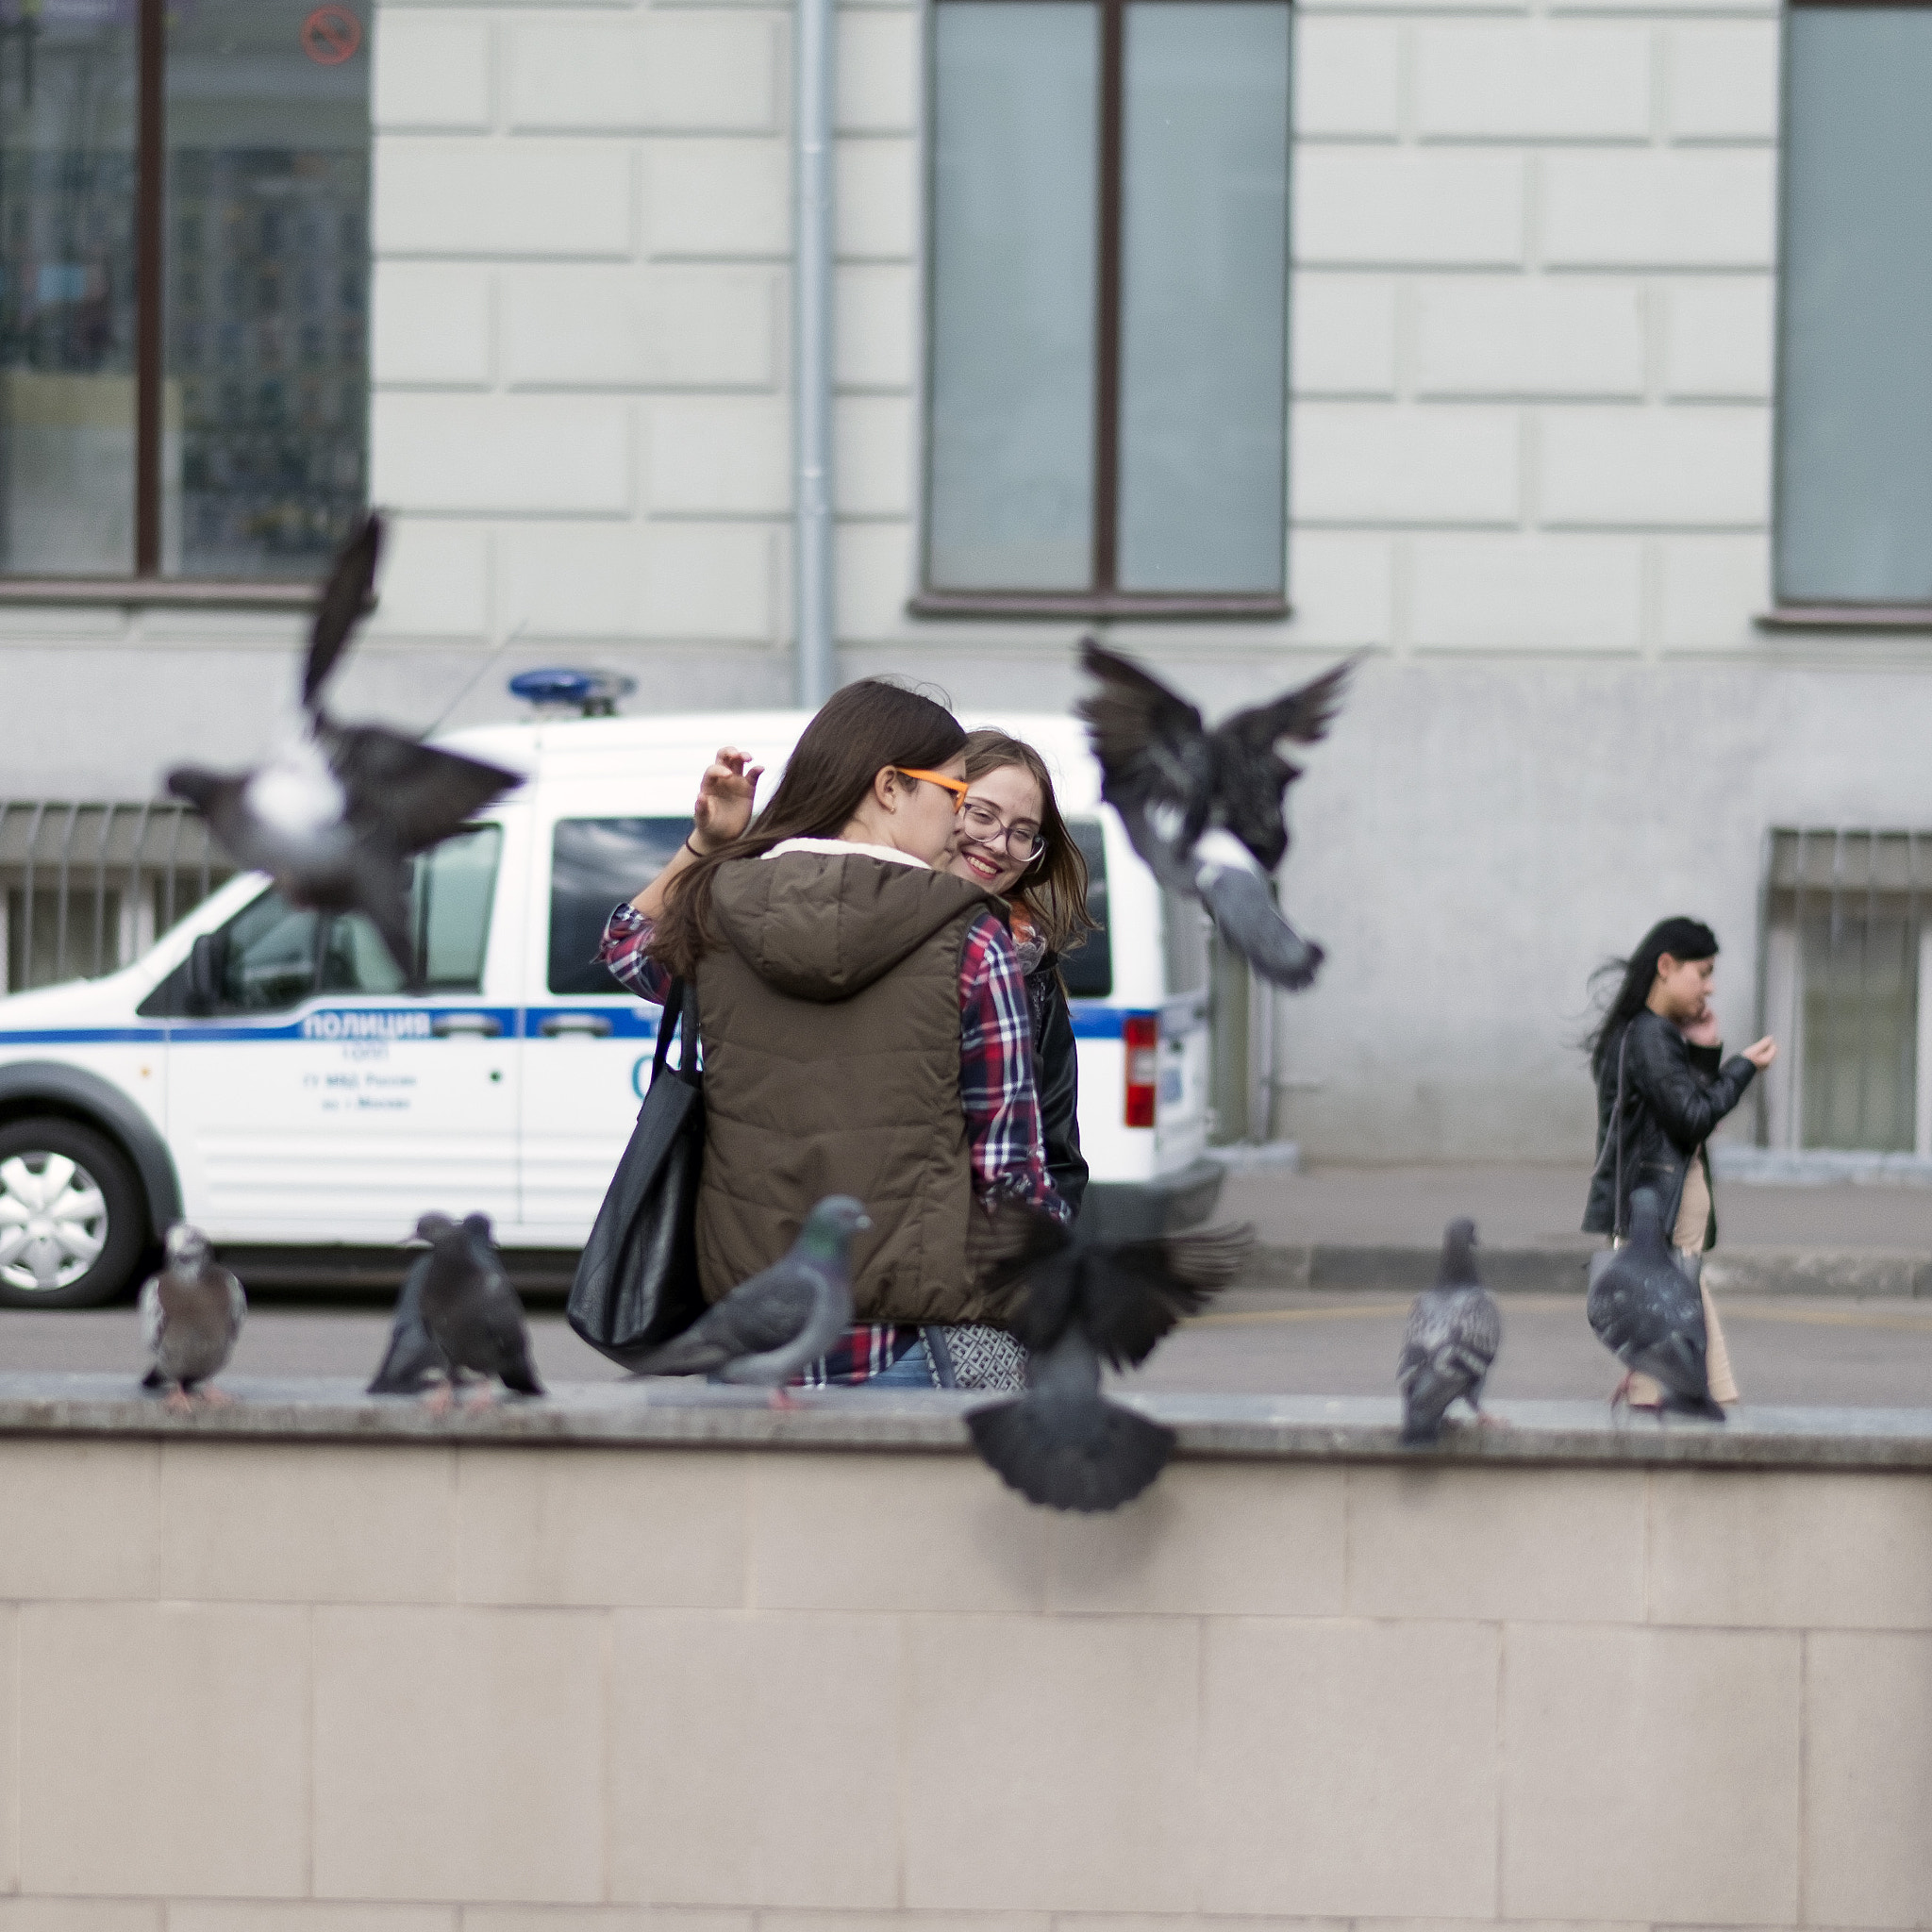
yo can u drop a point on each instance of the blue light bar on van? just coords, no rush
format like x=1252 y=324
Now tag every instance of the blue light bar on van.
x=590 y=693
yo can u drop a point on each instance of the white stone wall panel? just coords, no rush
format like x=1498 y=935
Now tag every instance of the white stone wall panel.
x=1364 y=464
x=1527 y=591
x=665 y=326
x=873 y=461
x=1709 y=590
x=717 y=199
x=1528 y=337
x=621 y=581
x=1719 y=338
x=1347 y=78
x=486 y=198
x=514 y=455
x=879 y=199
x=1654 y=468
x=724 y=455
x=1723 y=81
x=879 y=86
x=1656 y=209
x=874 y=333
x=700 y=69
x=429 y=324
x=431 y=71
x=1341 y=334
x=1404 y=206
x=1500 y=81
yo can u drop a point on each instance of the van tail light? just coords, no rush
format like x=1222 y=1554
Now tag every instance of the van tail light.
x=1143 y=1037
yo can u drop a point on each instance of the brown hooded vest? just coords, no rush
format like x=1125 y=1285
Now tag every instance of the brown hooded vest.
x=830 y=1020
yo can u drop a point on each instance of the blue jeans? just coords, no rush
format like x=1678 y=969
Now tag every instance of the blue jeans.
x=912 y=1370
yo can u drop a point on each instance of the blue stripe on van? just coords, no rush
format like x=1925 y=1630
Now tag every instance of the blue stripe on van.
x=1093 y=1020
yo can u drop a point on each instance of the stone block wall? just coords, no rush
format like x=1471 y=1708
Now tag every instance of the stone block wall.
x=487 y=1689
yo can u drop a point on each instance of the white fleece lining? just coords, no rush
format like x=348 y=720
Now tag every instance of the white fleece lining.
x=844 y=848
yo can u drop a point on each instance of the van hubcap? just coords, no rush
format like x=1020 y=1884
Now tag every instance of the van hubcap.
x=53 y=1221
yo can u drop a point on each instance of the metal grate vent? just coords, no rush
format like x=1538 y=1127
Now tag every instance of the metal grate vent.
x=87 y=888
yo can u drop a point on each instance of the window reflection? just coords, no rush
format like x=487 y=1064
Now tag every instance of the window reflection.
x=67 y=148
x=268 y=186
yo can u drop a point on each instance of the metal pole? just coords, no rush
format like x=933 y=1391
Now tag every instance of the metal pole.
x=811 y=359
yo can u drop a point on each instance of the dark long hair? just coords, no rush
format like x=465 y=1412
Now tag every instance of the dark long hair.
x=1053 y=888
x=857 y=732
x=1682 y=937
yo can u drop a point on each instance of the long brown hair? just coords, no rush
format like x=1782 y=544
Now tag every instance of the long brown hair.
x=857 y=732
x=1053 y=888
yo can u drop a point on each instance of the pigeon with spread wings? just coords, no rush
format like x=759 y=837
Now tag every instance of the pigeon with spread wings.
x=337 y=814
x=1088 y=1301
x=1204 y=806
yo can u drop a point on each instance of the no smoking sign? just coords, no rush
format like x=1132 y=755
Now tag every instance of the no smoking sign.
x=330 y=35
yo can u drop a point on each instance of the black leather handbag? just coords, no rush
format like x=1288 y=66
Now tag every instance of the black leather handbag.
x=637 y=1281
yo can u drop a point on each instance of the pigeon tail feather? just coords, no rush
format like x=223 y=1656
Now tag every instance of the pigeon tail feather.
x=1085 y=1454
x=1244 y=913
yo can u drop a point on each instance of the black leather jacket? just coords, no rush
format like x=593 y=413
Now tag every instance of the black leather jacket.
x=1674 y=1095
x=1056 y=1074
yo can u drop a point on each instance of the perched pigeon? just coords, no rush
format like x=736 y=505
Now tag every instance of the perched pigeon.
x=337 y=814
x=1202 y=807
x=191 y=1315
x=766 y=1328
x=1651 y=1317
x=413 y=1360
x=471 y=1311
x=1063 y=1444
x=1452 y=1338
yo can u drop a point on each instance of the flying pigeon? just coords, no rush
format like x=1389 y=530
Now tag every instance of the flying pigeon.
x=766 y=1328
x=412 y=1360
x=191 y=1315
x=337 y=814
x=1202 y=807
x=1651 y=1317
x=1063 y=1444
x=1452 y=1338
x=470 y=1311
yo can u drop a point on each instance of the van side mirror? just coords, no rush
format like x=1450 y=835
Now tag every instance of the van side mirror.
x=208 y=961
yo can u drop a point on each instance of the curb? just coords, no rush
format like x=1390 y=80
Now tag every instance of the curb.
x=1898 y=1273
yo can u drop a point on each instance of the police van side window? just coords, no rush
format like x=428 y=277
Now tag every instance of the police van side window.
x=1088 y=970
x=595 y=865
x=265 y=957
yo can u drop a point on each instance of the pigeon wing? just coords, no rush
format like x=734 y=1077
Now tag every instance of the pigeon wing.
x=1303 y=715
x=1137 y=1291
x=1009 y=1240
x=219 y=796
x=1148 y=739
x=1086 y=1454
x=340 y=606
x=412 y=792
x=757 y=1317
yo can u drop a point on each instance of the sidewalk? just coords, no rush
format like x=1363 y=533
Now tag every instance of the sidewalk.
x=1382 y=1227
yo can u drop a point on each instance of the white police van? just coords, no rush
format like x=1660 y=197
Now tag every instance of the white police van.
x=302 y=1113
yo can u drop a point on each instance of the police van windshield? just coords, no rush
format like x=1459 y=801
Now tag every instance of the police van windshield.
x=595 y=865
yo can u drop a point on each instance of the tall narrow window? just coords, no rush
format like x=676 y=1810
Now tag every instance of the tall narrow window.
x=1855 y=398
x=1108 y=350
x=184 y=194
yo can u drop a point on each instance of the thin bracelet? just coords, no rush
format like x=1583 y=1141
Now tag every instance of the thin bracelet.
x=692 y=849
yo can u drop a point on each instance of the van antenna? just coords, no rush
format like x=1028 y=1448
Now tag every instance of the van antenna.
x=470 y=683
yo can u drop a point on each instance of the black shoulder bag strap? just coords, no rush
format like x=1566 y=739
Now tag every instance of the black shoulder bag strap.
x=1617 y=1199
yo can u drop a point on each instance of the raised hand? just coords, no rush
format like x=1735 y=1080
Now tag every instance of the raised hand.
x=725 y=796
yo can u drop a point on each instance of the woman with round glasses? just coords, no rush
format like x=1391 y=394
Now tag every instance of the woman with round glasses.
x=1010 y=839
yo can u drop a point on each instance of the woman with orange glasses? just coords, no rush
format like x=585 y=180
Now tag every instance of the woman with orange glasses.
x=864 y=1024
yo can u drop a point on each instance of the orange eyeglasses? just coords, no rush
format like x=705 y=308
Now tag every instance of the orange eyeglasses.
x=958 y=786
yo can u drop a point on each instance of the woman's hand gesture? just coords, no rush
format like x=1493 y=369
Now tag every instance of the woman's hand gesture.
x=1761 y=1054
x=725 y=796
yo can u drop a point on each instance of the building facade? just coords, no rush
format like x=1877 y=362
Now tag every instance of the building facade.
x=1624 y=620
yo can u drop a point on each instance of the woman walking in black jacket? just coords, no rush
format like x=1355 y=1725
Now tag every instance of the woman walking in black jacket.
x=1657 y=1050
x=1012 y=841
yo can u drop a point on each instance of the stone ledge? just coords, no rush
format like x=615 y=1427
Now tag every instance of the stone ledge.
x=1560 y=1268
x=676 y=1415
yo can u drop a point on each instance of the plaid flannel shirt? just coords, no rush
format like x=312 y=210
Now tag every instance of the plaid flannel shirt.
x=1004 y=1147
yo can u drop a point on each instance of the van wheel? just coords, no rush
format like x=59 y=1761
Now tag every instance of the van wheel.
x=72 y=1222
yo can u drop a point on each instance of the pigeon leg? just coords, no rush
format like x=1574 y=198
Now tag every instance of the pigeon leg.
x=1484 y=1420
x=486 y=1397
x=782 y=1398
x=215 y=1398
x=181 y=1401
x=442 y=1398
